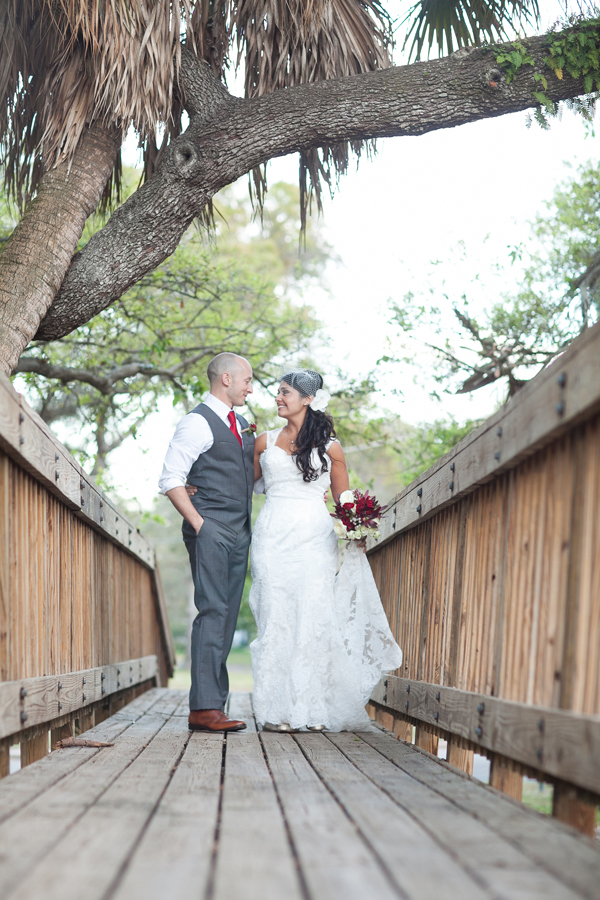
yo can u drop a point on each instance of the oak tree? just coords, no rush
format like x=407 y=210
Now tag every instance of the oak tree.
x=319 y=81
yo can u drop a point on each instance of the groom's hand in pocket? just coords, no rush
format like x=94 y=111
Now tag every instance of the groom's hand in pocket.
x=191 y=490
x=180 y=498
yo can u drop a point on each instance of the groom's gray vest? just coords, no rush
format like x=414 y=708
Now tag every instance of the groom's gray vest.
x=224 y=475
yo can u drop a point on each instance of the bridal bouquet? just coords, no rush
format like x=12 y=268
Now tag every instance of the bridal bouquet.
x=357 y=516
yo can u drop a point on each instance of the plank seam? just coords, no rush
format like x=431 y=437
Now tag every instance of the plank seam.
x=212 y=869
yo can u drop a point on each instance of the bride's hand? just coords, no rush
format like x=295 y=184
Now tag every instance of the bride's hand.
x=191 y=490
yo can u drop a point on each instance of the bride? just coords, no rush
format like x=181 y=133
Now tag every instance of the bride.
x=323 y=641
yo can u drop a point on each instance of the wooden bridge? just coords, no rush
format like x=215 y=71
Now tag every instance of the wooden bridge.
x=489 y=568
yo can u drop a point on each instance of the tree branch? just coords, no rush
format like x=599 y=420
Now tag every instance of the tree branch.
x=238 y=135
x=102 y=383
x=105 y=382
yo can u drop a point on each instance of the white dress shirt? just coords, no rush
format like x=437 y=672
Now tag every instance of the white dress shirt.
x=192 y=437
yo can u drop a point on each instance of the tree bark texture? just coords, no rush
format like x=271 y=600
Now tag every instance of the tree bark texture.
x=227 y=137
x=40 y=249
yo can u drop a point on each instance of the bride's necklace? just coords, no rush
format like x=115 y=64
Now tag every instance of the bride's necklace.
x=291 y=441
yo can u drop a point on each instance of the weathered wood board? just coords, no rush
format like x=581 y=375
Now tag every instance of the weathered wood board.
x=174 y=856
x=415 y=861
x=496 y=864
x=567 y=855
x=38 y=830
x=254 y=858
x=561 y=743
x=25 y=786
x=79 y=585
x=333 y=857
x=33 y=701
x=165 y=814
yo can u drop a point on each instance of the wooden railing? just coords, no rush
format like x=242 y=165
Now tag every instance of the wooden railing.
x=489 y=570
x=83 y=624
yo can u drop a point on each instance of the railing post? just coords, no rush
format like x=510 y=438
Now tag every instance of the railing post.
x=60 y=733
x=84 y=721
x=426 y=740
x=505 y=778
x=99 y=715
x=34 y=748
x=571 y=806
x=384 y=718
x=4 y=758
x=403 y=730
x=459 y=757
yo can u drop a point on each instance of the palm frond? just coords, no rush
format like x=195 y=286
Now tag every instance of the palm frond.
x=65 y=63
x=283 y=43
x=449 y=24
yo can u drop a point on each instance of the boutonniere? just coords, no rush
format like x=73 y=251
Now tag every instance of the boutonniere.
x=251 y=429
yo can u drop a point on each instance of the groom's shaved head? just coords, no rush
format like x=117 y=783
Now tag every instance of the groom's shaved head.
x=224 y=362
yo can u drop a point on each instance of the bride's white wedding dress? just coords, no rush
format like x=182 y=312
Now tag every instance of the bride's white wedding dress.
x=323 y=641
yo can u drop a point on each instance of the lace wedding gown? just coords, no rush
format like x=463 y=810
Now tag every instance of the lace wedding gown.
x=323 y=641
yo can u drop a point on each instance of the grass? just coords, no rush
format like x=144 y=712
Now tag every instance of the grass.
x=238 y=665
x=538 y=795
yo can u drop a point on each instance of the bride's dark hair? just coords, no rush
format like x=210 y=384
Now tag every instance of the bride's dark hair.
x=317 y=429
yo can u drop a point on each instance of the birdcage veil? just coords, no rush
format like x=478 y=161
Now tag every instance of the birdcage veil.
x=306 y=381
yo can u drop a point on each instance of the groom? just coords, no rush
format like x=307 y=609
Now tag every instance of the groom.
x=213 y=451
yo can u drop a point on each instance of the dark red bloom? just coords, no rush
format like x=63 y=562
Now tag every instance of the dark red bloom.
x=364 y=511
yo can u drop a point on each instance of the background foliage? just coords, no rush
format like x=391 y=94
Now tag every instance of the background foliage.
x=516 y=335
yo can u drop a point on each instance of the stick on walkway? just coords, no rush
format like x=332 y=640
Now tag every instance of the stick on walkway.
x=166 y=814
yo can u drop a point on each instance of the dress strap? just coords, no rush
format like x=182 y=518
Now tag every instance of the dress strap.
x=272 y=437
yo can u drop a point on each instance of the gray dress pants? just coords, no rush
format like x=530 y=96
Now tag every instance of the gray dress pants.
x=219 y=561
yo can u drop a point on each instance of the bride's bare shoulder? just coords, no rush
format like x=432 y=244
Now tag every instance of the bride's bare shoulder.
x=335 y=450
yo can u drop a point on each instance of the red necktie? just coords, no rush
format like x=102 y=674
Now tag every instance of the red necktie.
x=231 y=417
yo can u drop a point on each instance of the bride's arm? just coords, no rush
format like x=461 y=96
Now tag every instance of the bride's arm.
x=260 y=445
x=339 y=470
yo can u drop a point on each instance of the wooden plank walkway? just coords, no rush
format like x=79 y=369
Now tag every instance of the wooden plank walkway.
x=168 y=814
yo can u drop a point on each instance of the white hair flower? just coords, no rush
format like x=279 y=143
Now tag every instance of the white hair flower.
x=320 y=400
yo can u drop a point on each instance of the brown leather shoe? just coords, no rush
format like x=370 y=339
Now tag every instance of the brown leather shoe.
x=212 y=720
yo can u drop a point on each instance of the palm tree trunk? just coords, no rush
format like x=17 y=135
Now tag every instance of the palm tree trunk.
x=39 y=251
